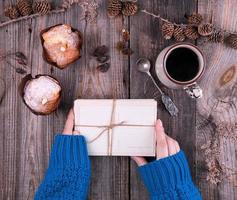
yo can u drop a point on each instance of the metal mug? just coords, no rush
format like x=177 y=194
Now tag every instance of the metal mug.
x=190 y=86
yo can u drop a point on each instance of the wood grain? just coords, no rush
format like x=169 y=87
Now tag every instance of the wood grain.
x=25 y=139
x=218 y=106
x=147 y=41
x=110 y=175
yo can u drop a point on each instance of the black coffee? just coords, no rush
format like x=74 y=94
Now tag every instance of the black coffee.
x=182 y=64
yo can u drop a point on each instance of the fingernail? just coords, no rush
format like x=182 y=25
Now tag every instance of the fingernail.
x=160 y=122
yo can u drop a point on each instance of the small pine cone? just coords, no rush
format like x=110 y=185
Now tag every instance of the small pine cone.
x=114 y=8
x=129 y=8
x=42 y=7
x=205 y=29
x=231 y=40
x=24 y=7
x=179 y=34
x=11 y=12
x=195 y=19
x=167 y=30
x=191 y=32
x=217 y=37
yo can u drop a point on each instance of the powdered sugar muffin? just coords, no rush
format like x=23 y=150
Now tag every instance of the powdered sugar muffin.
x=42 y=94
x=61 y=44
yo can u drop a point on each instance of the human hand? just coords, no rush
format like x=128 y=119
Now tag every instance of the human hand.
x=165 y=145
x=69 y=124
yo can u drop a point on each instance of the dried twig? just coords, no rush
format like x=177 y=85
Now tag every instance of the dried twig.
x=162 y=19
x=89 y=11
x=180 y=25
x=19 y=57
x=30 y=17
x=89 y=8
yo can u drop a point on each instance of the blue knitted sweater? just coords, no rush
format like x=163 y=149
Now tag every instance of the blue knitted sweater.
x=68 y=174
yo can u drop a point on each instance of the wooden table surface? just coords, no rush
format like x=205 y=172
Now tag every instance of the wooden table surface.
x=25 y=139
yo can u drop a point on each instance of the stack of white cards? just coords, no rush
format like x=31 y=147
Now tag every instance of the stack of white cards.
x=117 y=127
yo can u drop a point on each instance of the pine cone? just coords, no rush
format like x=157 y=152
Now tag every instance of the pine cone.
x=11 y=12
x=205 y=29
x=42 y=7
x=179 y=34
x=231 y=40
x=191 y=32
x=24 y=7
x=217 y=37
x=129 y=8
x=114 y=8
x=195 y=19
x=167 y=30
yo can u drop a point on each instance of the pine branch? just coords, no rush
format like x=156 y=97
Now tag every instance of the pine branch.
x=68 y=3
x=89 y=11
x=180 y=25
x=30 y=17
x=162 y=19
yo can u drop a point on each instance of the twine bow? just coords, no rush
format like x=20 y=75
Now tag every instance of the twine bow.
x=109 y=129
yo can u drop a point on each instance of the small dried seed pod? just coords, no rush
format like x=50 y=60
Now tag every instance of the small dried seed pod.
x=205 y=29
x=24 y=7
x=191 y=32
x=217 y=37
x=231 y=41
x=11 y=12
x=103 y=67
x=179 y=34
x=114 y=8
x=129 y=8
x=41 y=7
x=167 y=30
x=195 y=19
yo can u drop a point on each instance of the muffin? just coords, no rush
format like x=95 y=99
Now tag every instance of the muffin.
x=41 y=94
x=61 y=45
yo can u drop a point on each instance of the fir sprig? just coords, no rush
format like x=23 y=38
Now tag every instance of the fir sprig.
x=195 y=28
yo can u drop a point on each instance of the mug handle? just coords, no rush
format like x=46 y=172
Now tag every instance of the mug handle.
x=194 y=91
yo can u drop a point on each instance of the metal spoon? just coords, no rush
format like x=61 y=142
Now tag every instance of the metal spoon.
x=144 y=66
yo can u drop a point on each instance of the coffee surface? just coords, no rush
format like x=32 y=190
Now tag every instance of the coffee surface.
x=182 y=64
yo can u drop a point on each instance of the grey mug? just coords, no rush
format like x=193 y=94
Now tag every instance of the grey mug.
x=190 y=86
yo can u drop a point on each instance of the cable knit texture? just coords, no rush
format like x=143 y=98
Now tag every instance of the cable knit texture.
x=169 y=179
x=68 y=174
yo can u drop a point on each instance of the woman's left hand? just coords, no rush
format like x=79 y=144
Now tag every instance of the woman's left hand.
x=69 y=124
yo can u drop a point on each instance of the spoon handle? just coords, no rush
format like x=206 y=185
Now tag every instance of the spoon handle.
x=169 y=105
x=166 y=100
x=153 y=80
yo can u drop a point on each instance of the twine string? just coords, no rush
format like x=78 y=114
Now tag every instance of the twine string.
x=109 y=129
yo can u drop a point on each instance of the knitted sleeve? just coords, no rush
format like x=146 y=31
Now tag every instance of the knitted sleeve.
x=169 y=179
x=68 y=173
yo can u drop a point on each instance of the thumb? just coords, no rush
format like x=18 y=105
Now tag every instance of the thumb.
x=161 y=143
x=68 y=128
x=139 y=160
x=160 y=132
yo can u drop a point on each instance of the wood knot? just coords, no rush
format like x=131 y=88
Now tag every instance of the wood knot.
x=228 y=75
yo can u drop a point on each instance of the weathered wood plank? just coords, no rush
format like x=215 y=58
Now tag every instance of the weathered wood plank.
x=25 y=138
x=218 y=107
x=110 y=175
x=146 y=41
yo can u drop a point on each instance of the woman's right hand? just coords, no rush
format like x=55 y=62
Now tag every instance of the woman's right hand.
x=165 y=145
x=168 y=177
